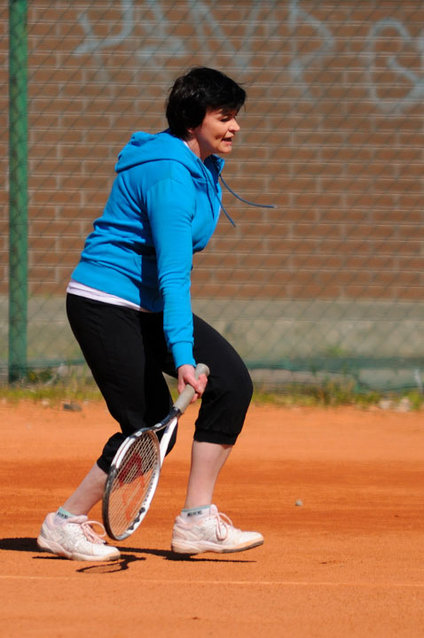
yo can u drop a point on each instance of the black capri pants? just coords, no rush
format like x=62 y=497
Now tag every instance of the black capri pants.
x=126 y=352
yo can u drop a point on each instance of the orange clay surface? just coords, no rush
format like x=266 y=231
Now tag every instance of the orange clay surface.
x=348 y=562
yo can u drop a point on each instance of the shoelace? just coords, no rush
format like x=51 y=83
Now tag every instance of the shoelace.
x=90 y=534
x=223 y=523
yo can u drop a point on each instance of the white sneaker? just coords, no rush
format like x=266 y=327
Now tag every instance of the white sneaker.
x=213 y=532
x=75 y=538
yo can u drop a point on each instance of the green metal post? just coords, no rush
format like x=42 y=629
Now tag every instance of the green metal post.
x=18 y=190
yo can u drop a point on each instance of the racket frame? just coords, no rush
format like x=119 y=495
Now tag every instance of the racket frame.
x=113 y=472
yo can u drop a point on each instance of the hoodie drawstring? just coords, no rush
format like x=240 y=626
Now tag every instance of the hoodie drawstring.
x=245 y=201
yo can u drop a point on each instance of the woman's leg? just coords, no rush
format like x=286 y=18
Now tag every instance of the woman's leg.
x=112 y=340
x=200 y=527
x=88 y=493
x=207 y=460
x=222 y=413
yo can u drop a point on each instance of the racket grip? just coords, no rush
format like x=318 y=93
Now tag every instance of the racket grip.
x=187 y=394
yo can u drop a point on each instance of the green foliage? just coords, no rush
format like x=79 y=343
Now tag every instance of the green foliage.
x=332 y=394
x=47 y=385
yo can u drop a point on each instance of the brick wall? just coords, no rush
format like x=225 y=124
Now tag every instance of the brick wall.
x=332 y=134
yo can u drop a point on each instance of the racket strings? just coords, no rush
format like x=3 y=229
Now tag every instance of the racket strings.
x=134 y=480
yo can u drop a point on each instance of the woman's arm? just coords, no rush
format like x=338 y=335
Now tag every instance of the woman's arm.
x=170 y=205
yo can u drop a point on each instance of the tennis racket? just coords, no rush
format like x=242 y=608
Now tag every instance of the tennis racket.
x=135 y=470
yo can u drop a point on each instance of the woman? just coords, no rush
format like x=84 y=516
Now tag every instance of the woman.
x=129 y=307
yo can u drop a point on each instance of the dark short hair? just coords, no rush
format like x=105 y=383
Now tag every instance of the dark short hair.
x=194 y=93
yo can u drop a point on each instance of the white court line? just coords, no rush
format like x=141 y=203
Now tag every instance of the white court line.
x=250 y=583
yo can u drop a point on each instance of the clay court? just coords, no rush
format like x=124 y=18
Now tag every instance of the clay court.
x=347 y=562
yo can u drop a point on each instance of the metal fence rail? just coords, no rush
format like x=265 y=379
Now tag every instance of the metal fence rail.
x=328 y=282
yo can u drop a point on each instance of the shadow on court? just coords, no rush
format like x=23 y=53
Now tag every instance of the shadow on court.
x=172 y=556
x=19 y=544
x=128 y=555
x=127 y=558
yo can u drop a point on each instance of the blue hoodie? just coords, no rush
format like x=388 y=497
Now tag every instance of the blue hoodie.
x=163 y=207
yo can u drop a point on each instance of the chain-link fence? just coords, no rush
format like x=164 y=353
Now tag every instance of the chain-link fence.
x=331 y=280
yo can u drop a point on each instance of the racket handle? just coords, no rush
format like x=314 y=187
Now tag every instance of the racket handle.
x=187 y=394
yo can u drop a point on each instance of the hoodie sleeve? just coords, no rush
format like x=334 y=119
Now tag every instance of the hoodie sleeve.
x=170 y=206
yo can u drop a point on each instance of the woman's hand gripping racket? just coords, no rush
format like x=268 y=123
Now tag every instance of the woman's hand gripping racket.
x=135 y=469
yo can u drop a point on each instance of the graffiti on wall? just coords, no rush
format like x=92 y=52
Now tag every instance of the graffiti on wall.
x=410 y=78
x=207 y=27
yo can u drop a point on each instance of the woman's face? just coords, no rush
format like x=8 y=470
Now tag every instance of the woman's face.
x=215 y=134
